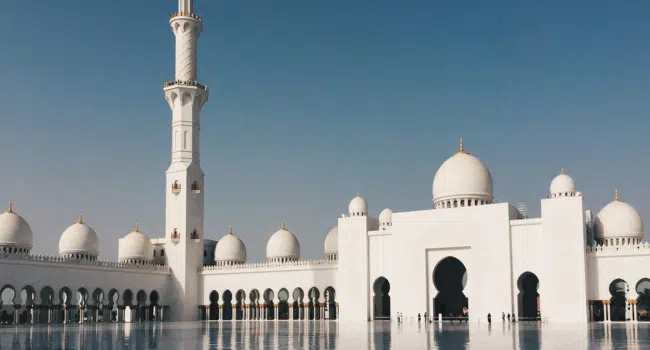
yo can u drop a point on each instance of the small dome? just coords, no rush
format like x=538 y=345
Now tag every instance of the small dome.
x=135 y=246
x=563 y=186
x=332 y=241
x=230 y=249
x=358 y=206
x=462 y=177
x=15 y=231
x=618 y=220
x=386 y=218
x=79 y=239
x=283 y=245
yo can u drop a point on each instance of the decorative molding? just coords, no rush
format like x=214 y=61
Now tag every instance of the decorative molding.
x=267 y=265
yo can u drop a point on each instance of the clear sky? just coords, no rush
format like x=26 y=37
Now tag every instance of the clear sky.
x=314 y=101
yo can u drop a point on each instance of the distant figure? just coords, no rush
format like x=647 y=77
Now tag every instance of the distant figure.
x=425 y=318
x=508 y=317
x=419 y=317
x=489 y=319
x=514 y=319
x=503 y=316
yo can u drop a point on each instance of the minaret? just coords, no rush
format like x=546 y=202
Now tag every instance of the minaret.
x=184 y=177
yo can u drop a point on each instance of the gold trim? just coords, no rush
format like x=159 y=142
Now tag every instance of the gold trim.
x=230 y=229
x=137 y=227
x=11 y=208
x=562 y=171
x=616 y=196
x=283 y=228
x=81 y=219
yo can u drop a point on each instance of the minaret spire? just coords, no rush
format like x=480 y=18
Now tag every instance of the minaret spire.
x=186 y=6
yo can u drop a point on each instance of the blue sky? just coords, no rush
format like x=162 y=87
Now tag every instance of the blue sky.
x=314 y=101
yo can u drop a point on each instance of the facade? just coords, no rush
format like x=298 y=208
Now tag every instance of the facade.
x=468 y=256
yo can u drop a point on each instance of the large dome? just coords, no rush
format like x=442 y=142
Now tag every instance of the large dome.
x=283 y=245
x=618 y=220
x=15 y=231
x=230 y=249
x=135 y=246
x=332 y=241
x=79 y=239
x=462 y=179
x=563 y=186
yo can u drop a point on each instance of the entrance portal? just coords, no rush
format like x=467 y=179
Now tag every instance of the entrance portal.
x=528 y=298
x=450 y=278
x=381 y=300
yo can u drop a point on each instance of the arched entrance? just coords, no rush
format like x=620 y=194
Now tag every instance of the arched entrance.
x=528 y=297
x=618 y=289
x=381 y=299
x=450 y=278
x=643 y=300
x=226 y=308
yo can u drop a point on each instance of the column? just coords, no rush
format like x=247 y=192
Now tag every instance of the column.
x=16 y=314
x=337 y=310
x=234 y=313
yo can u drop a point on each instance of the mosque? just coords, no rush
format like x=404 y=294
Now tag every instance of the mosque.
x=466 y=256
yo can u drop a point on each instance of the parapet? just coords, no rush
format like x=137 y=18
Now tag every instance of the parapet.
x=56 y=259
x=290 y=265
x=623 y=249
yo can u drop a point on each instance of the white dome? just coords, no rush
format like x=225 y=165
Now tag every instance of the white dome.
x=386 y=218
x=135 y=246
x=358 y=206
x=332 y=241
x=79 y=239
x=283 y=245
x=230 y=249
x=563 y=185
x=15 y=231
x=618 y=220
x=462 y=176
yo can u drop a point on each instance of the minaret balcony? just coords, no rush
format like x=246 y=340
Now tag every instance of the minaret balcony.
x=185 y=14
x=175 y=237
x=195 y=188
x=195 y=84
x=176 y=187
x=194 y=236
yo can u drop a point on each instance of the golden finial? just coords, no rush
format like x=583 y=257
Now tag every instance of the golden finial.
x=562 y=171
x=137 y=227
x=461 y=149
x=81 y=219
x=283 y=228
x=616 y=195
x=11 y=208
x=230 y=229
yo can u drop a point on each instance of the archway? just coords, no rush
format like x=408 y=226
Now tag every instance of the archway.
x=154 y=299
x=227 y=305
x=643 y=299
x=141 y=298
x=381 y=299
x=618 y=289
x=298 y=304
x=450 y=278
x=254 y=310
x=283 y=305
x=314 y=305
x=240 y=297
x=528 y=297
x=330 y=303
x=213 y=310
x=268 y=304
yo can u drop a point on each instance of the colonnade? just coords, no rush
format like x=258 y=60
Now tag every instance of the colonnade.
x=630 y=304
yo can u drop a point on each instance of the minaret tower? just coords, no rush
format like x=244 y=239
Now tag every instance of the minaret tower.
x=184 y=177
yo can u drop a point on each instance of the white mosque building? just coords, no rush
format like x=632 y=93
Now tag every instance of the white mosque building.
x=467 y=255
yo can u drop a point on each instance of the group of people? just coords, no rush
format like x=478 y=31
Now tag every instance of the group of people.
x=503 y=317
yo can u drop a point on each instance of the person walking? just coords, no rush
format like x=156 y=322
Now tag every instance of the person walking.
x=489 y=318
x=503 y=317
